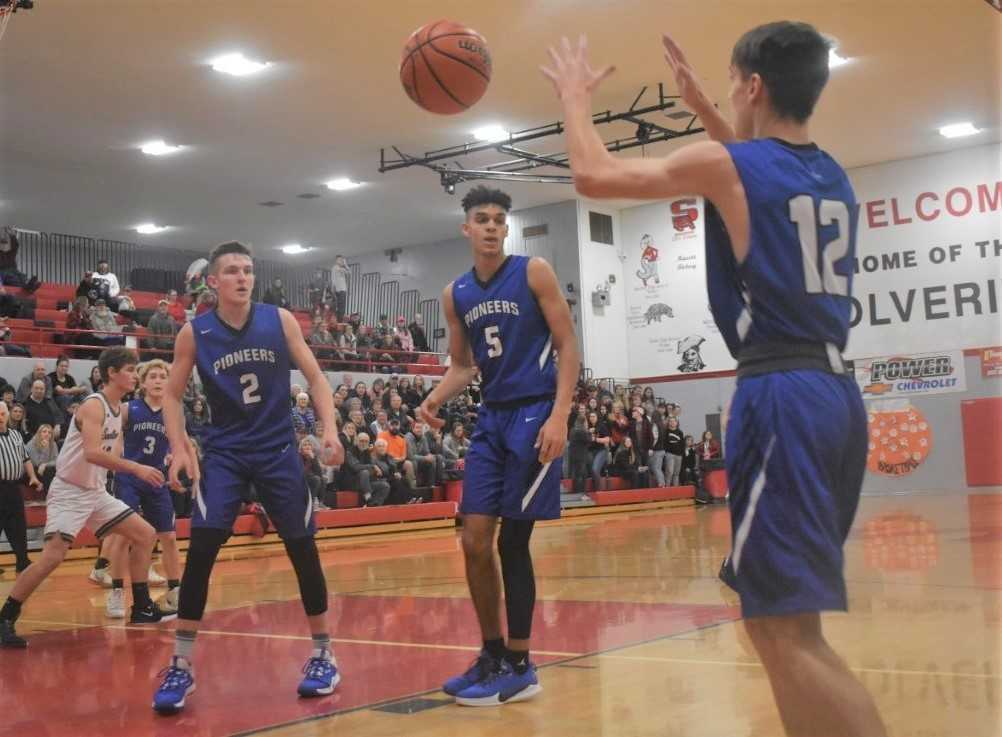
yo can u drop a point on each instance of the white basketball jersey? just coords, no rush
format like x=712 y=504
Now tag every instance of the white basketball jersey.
x=71 y=465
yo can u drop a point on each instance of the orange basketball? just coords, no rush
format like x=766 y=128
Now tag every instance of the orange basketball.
x=445 y=67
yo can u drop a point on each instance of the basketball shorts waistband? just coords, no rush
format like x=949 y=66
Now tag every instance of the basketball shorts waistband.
x=765 y=358
x=521 y=402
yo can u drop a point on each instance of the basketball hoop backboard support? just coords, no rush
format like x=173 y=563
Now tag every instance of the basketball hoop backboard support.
x=520 y=167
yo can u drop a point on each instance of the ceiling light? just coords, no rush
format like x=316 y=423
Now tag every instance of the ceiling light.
x=237 y=64
x=342 y=184
x=958 y=130
x=150 y=228
x=294 y=248
x=491 y=133
x=834 y=60
x=159 y=148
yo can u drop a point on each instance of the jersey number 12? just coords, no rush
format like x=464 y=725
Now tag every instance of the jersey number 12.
x=821 y=279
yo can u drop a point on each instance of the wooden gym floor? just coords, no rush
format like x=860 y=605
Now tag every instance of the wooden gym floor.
x=634 y=634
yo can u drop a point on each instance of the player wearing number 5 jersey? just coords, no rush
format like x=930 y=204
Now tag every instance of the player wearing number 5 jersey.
x=780 y=243
x=507 y=318
x=243 y=352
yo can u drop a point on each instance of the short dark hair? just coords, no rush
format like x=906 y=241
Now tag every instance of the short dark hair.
x=62 y=358
x=792 y=60
x=229 y=247
x=117 y=357
x=481 y=195
x=103 y=261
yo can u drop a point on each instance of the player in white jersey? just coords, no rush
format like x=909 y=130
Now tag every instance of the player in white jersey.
x=78 y=498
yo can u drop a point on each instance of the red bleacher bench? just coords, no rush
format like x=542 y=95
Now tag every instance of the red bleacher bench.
x=715 y=483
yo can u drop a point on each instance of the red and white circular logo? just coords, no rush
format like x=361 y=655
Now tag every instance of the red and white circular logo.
x=900 y=440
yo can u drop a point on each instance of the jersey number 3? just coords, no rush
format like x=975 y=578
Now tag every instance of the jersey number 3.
x=821 y=278
x=250 y=385
x=494 y=347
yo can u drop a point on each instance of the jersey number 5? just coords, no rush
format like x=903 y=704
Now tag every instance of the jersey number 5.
x=494 y=348
x=250 y=385
x=821 y=279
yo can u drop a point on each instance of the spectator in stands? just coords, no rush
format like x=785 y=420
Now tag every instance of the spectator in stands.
x=356 y=417
x=105 y=282
x=9 y=273
x=641 y=433
x=108 y=331
x=401 y=483
x=456 y=444
x=656 y=457
x=429 y=465
x=675 y=447
x=600 y=447
x=417 y=331
x=396 y=448
x=405 y=338
x=39 y=410
x=709 y=448
x=363 y=475
x=95 y=380
x=380 y=424
x=78 y=319
x=339 y=280
x=619 y=424
x=64 y=387
x=626 y=465
x=388 y=354
x=196 y=418
x=206 y=302
x=398 y=412
x=7 y=395
x=348 y=343
x=16 y=421
x=690 y=463
x=6 y=347
x=10 y=306
x=42 y=451
x=321 y=340
x=347 y=434
x=303 y=418
x=125 y=306
x=383 y=327
x=362 y=394
x=87 y=287
x=577 y=455
x=175 y=308
x=313 y=472
x=37 y=373
x=162 y=330
x=275 y=294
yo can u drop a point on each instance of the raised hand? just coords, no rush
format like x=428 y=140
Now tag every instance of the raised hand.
x=570 y=72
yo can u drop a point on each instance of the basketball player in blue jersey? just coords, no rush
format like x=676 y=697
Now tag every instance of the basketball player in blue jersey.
x=780 y=243
x=145 y=442
x=244 y=352
x=506 y=319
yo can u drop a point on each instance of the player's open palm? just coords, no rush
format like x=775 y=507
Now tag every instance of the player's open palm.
x=686 y=81
x=569 y=70
x=551 y=440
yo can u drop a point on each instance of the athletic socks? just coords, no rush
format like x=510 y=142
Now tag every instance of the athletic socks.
x=321 y=644
x=173 y=583
x=184 y=644
x=11 y=610
x=495 y=648
x=101 y=563
x=141 y=595
x=118 y=583
x=518 y=660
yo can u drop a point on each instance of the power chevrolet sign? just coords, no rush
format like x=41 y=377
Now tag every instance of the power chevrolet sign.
x=900 y=376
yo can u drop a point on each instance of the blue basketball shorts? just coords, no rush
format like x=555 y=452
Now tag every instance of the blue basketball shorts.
x=278 y=480
x=503 y=476
x=796 y=445
x=155 y=504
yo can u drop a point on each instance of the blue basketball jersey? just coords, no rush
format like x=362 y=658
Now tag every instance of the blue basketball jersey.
x=511 y=341
x=145 y=438
x=795 y=281
x=245 y=374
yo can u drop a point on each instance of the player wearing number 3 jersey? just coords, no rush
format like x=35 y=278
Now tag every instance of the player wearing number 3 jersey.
x=243 y=352
x=780 y=244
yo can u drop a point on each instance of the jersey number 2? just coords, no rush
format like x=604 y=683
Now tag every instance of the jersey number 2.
x=821 y=279
x=250 y=385
x=494 y=347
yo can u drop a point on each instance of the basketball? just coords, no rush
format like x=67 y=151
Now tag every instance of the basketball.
x=445 y=67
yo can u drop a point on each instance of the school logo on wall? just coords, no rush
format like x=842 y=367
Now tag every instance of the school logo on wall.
x=648 y=261
x=899 y=376
x=688 y=348
x=900 y=438
x=684 y=214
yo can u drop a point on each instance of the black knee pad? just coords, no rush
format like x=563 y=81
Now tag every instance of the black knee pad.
x=202 y=552
x=305 y=559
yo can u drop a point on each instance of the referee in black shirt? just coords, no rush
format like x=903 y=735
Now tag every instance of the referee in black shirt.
x=14 y=463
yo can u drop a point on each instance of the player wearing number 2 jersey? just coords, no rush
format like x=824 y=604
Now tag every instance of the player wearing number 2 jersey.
x=780 y=243
x=506 y=319
x=243 y=352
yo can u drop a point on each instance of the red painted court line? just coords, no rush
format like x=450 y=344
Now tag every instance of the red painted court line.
x=99 y=681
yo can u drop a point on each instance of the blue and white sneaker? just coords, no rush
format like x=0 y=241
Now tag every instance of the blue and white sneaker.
x=178 y=683
x=503 y=686
x=321 y=677
x=482 y=667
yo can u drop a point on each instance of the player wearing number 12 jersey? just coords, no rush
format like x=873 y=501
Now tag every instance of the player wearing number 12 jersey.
x=780 y=243
x=506 y=317
x=244 y=351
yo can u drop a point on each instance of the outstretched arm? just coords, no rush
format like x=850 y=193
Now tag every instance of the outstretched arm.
x=691 y=91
